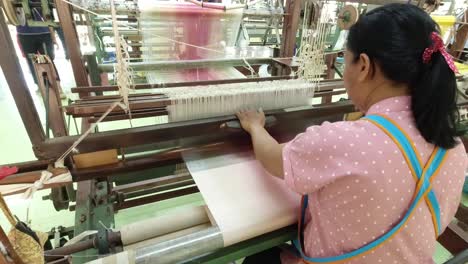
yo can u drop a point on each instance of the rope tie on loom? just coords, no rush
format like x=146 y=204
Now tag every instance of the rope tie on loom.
x=37 y=185
x=438 y=46
x=48 y=177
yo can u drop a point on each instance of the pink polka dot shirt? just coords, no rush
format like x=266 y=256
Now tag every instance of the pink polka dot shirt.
x=360 y=186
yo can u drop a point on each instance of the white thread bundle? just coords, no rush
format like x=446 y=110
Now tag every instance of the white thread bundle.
x=122 y=70
x=312 y=51
x=225 y=99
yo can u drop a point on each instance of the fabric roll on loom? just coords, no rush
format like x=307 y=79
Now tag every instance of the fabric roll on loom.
x=142 y=234
x=235 y=215
x=154 y=227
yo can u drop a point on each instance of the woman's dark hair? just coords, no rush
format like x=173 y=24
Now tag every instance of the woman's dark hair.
x=395 y=36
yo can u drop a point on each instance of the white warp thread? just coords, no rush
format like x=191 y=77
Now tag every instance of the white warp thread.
x=225 y=99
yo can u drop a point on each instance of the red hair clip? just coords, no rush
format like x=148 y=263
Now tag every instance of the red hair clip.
x=438 y=46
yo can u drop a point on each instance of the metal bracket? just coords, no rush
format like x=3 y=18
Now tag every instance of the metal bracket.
x=94 y=211
x=103 y=241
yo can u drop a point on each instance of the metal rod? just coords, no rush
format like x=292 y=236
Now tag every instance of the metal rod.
x=114 y=238
x=162 y=24
x=378 y=2
x=184 y=64
x=177 y=84
x=182 y=248
x=135 y=32
x=156 y=198
x=58 y=253
x=158 y=189
x=247 y=12
x=130 y=187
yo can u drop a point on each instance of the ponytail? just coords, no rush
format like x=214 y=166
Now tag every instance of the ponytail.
x=433 y=102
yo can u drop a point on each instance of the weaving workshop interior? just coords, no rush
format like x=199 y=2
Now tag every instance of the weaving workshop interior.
x=233 y=131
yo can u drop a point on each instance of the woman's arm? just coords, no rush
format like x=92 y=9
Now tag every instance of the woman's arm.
x=267 y=150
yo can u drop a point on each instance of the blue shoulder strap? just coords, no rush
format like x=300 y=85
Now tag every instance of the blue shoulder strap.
x=404 y=143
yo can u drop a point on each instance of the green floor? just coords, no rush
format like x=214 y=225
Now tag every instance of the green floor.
x=16 y=147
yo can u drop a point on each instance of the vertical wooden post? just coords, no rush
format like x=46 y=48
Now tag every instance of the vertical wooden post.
x=290 y=25
x=73 y=45
x=330 y=60
x=15 y=80
x=46 y=71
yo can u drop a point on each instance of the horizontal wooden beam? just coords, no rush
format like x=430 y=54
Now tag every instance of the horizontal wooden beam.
x=110 y=88
x=53 y=148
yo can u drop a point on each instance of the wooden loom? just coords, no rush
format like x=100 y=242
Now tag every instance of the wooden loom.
x=136 y=147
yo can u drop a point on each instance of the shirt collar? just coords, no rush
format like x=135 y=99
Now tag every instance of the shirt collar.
x=392 y=104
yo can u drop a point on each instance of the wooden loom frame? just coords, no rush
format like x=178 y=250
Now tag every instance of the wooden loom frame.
x=165 y=135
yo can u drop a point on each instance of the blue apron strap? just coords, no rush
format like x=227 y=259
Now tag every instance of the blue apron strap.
x=422 y=189
x=404 y=144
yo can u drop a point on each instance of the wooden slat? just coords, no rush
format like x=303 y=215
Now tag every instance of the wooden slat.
x=111 y=99
x=46 y=72
x=11 y=68
x=101 y=108
x=177 y=84
x=19 y=178
x=73 y=45
x=100 y=97
x=290 y=25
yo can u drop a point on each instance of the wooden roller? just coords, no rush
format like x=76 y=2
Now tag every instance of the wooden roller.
x=162 y=225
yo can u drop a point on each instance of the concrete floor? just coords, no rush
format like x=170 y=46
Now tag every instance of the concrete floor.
x=17 y=148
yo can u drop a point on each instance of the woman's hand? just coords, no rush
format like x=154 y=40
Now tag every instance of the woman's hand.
x=251 y=119
x=266 y=148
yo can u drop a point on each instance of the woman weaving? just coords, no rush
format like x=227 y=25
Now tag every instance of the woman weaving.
x=380 y=189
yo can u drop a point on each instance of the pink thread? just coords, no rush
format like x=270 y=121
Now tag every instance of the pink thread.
x=438 y=45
